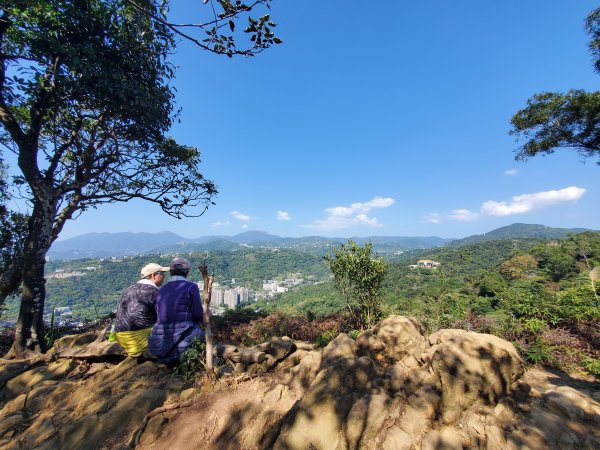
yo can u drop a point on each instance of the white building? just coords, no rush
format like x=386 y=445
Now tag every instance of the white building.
x=233 y=297
x=217 y=297
x=270 y=285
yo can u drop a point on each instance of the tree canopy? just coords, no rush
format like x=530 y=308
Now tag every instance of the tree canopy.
x=571 y=120
x=13 y=226
x=86 y=102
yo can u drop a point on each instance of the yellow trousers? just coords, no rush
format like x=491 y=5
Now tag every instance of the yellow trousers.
x=134 y=342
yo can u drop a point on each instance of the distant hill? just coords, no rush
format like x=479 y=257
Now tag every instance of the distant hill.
x=519 y=230
x=253 y=236
x=102 y=245
x=105 y=245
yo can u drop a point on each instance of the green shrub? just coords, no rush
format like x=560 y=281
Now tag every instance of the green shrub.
x=591 y=365
x=535 y=325
x=192 y=361
x=51 y=333
x=353 y=334
x=325 y=337
x=539 y=352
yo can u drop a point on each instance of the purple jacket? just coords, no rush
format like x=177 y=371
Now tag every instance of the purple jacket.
x=178 y=301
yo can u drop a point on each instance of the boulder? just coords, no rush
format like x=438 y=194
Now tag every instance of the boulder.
x=572 y=405
x=318 y=420
x=26 y=381
x=474 y=367
x=75 y=340
x=447 y=438
x=402 y=336
x=302 y=375
x=11 y=420
x=11 y=368
x=343 y=346
x=369 y=344
x=364 y=423
x=444 y=334
x=97 y=349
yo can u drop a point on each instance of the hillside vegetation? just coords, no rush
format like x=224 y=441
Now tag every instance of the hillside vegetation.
x=96 y=292
x=539 y=294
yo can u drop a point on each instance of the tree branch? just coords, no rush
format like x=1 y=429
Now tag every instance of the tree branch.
x=38 y=109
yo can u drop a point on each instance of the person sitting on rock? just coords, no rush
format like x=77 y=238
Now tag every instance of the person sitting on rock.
x=136 y=313
x=179 y=313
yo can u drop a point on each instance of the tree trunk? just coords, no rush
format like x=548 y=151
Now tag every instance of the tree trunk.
x=29 y=332
x=10 y=280
x=206 y=294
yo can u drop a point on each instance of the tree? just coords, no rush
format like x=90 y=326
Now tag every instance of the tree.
x=359 y=277
x=13 y=229
x=557 y=261
x=518 y=267
x=86 y=103
x=551 y=120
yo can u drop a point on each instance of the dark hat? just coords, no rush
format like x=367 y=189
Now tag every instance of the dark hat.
x=179 y=264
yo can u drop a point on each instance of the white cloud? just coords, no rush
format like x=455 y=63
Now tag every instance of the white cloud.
x=365 y=220
x=511 y=172
x=379 y=202
x=528 y=202
x=244 y=226
x=240 y=216
x=432 y=218
x=282 y=215
x=220 y=224
x=463 y=215
x=340 y=217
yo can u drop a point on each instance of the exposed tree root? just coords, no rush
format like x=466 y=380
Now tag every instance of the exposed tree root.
x=135 y=437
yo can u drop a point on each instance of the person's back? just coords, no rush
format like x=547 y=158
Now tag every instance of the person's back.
x=179 y=313
x=136 y=312
x=179 y=301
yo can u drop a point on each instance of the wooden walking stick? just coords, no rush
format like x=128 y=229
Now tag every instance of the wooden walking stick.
x=206 y=295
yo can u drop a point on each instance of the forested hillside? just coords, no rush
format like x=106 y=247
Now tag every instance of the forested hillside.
x=96 y=292
x=520 y=230
x=542 y=295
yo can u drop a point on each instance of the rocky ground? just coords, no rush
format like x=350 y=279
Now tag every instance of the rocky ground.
x=393 y=387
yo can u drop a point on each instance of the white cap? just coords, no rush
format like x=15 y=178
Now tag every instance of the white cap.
x=151 y=268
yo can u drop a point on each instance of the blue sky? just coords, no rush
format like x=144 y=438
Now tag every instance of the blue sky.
x=387 y=121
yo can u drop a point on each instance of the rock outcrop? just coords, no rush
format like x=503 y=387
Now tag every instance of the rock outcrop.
x=393 y=387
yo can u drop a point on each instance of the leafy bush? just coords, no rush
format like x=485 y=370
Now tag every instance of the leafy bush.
x=353 y=334
x=534 y=325
x=277 y=324
x=192 y=361
x=325 y=337
x=51 y=333
x=591 y=365
x=539 y=352
x=359 y=277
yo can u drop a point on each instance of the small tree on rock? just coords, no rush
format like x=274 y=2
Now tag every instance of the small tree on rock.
x=359 y=277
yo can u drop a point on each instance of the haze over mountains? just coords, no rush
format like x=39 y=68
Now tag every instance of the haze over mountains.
x=103 y=245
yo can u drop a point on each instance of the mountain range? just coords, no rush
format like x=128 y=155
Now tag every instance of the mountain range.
x=105 y=245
